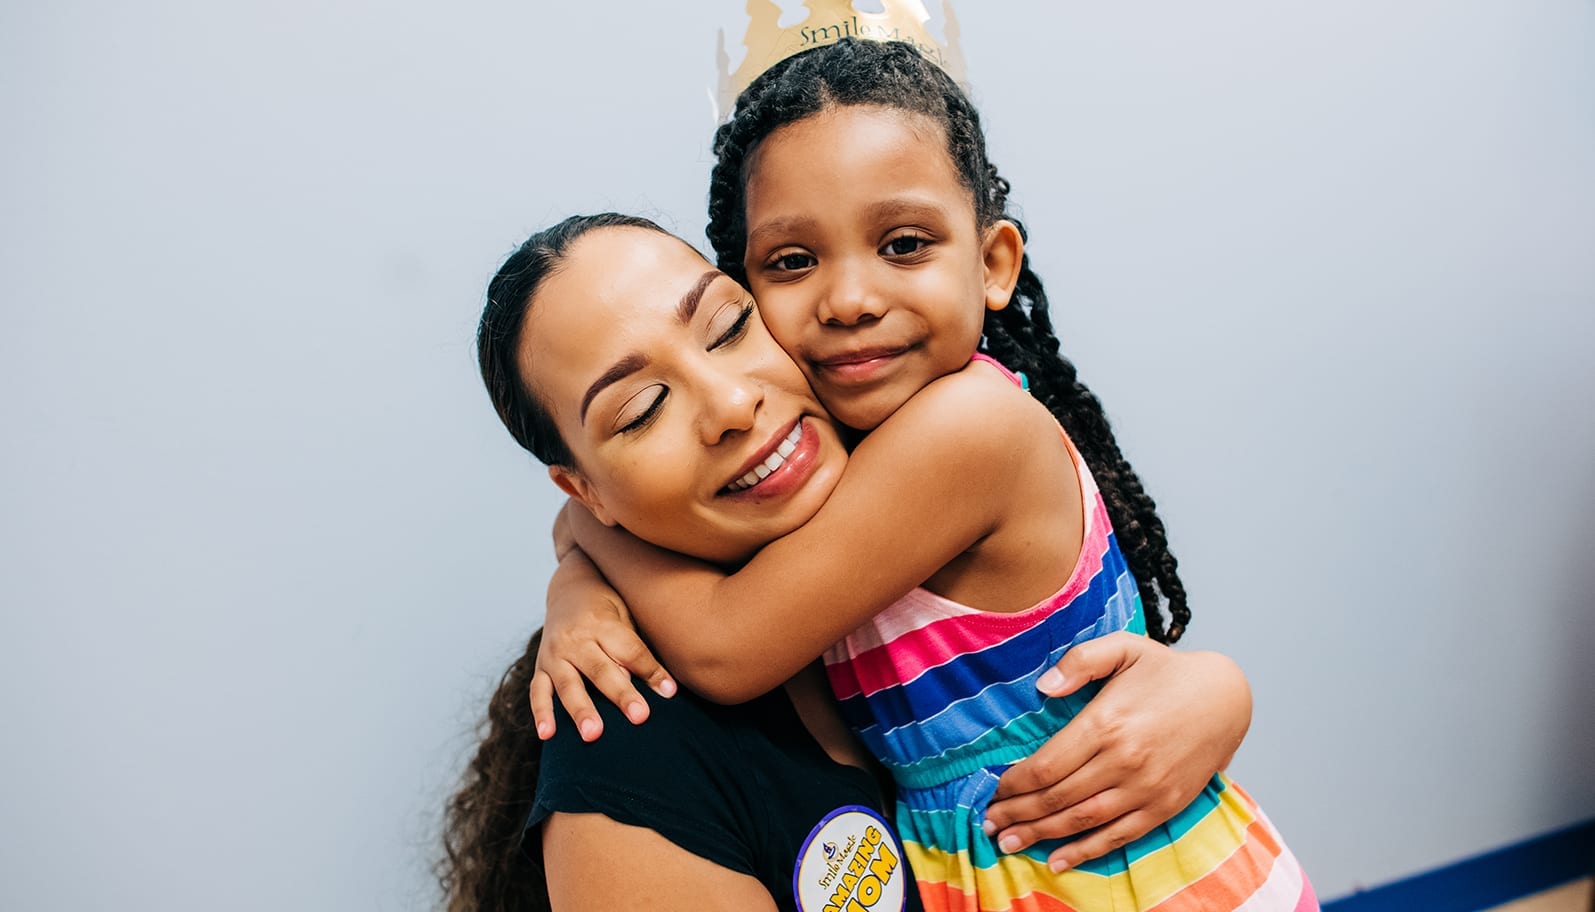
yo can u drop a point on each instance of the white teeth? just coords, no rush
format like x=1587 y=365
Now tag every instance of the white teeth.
x=787 y=447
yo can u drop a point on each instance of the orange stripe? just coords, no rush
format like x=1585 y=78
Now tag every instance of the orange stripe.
x=1231 y=883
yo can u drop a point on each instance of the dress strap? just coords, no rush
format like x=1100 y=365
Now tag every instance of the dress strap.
x=1018 y=378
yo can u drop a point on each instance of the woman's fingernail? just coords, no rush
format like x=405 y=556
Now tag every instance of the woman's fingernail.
x=667 y=688
x=1050 y=681
x=1008 y=843
x=590 y=729
x=1059 y=866
x=989 y=828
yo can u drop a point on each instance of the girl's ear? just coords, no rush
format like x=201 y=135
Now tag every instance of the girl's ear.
x=1003 y=254
x=580 y=490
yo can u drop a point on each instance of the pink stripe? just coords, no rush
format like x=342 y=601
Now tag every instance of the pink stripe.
x=886 y=651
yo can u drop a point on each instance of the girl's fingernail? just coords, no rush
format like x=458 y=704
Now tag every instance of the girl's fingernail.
x=1051 y=681
x=636 y=712
x=989 y=828
x=545 y=731
x=1058 y=867
x=667 y=688
x=589 y=729
x=1008 y=843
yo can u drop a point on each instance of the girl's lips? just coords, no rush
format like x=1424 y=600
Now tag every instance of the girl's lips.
x=858 y=367
x=790 y=475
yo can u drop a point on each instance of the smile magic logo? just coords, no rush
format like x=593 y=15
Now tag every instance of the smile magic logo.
x=850 y=27
x=850 y=863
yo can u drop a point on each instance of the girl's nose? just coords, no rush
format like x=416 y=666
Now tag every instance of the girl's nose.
x=849 y=298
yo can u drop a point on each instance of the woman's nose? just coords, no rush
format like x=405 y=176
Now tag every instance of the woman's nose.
x=731 y=405
x=849 y=298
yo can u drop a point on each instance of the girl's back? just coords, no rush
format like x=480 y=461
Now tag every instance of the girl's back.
x=944 y=693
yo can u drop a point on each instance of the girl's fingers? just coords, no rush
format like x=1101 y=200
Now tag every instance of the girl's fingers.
x=572 y=690
x=614 y=682
x=541 y=694
x=634 y=654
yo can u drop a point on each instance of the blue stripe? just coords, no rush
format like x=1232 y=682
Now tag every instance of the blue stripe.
x=1100 y=609
x=1486 y=880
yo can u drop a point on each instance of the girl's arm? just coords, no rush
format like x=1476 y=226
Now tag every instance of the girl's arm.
x=581 y=851
x=588 y=634
x=923 y=488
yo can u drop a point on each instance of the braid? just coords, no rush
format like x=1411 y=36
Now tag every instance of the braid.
x=1021 y=336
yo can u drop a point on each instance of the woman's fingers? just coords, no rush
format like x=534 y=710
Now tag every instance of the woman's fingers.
x=1099 y=842
x=1075 y=818
x=1052 y=798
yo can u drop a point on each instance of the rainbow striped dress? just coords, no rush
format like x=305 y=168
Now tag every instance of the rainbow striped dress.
x=945 y=697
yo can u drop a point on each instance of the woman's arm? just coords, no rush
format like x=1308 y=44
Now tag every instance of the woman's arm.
x=1148 y=742
x=924 y=487
x=583 y=853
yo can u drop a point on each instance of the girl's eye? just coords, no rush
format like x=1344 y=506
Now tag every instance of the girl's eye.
x=630 y=420
x=792 y=262
x=736 y=330
x=904 y=245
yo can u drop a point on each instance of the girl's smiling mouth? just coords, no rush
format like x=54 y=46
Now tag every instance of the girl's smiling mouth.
x=859 y=366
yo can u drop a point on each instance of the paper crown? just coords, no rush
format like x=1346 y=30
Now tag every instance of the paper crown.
x=828 y=22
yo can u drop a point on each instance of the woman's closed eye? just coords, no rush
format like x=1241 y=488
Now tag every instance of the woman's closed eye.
x=640 y=409
x=736 y=330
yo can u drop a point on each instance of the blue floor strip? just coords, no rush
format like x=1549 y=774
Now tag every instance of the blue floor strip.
x=1486 y=880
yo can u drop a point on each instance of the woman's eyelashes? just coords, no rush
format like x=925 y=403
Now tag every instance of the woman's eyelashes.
x=737 y=329
x=639 y=411
x=630 y=419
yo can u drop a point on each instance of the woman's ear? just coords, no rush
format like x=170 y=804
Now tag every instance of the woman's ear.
x=580 y=490
x=1003 y=254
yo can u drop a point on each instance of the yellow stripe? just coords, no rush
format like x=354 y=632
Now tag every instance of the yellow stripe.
x=1152 y=879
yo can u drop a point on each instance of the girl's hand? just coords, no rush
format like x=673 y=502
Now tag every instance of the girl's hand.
x=1139 y=752
x=588 y=636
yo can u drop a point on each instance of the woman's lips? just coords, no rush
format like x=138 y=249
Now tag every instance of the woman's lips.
x=792 y=469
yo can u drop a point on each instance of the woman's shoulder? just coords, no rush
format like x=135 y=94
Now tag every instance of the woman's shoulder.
x=682 y=732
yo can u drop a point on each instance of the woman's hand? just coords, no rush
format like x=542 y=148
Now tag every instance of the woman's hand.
x=588 y=636
x=1139 y=752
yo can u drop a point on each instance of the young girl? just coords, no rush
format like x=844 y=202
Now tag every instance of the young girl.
x=853 y=192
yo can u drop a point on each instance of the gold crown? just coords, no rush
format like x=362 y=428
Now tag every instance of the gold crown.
x=828 y=22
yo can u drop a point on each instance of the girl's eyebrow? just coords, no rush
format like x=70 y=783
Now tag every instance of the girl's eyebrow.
x=901 y=207
x=778 y=226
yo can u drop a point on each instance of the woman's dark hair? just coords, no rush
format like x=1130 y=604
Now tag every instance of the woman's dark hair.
x=491 y=861
x=894 y=75
x=498 y=335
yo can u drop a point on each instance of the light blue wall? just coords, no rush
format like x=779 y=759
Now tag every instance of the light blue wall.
x=263 y=546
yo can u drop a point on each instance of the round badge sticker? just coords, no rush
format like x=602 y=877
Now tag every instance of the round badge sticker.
x=851 y=862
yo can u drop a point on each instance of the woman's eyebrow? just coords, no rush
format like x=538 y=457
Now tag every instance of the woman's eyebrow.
x=623 y=368
x=689 y=301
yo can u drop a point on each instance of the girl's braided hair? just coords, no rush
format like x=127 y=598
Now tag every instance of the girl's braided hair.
x=894 y=75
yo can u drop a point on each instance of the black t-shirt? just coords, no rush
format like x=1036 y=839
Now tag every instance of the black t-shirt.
x=746 y=787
